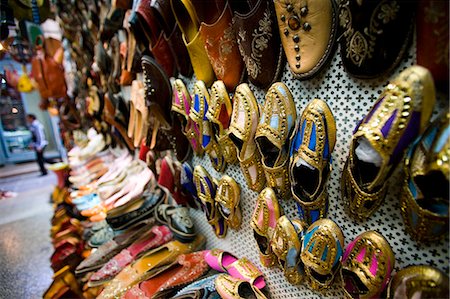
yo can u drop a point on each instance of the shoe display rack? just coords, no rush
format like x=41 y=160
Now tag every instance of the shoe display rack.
x=349 y=99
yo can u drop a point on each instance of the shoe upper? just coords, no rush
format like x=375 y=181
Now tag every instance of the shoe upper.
x=424 y=200
x=310 y=159
x=366 y=266
x=286 y=245
x=275 y=126
x=401 y=113
x=429 y=281
x=322 y=248
x=308 y=33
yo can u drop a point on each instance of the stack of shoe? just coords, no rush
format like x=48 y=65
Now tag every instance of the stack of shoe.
x=126 y=217
x=69 y=251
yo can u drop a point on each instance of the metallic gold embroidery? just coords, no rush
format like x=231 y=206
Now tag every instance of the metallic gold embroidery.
x=220 y=100
x=267 y=205
x=375 y=248
x=226 y=44
x=260 y=42
x=227 y=199
x=285 y=240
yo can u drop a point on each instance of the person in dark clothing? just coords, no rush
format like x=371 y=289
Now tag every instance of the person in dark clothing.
x=39 y=142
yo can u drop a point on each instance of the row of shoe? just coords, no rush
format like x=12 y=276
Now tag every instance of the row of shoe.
x=272 y=147
x=152 y=259
x=69 y=250
x=294 y=156
x=67 y=239
x=253 y=33
x=127 y=229
x=190 y=275
x=316 y=255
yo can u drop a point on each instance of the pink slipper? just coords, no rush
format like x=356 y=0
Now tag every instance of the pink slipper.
x=243 y=269
x=156 y=237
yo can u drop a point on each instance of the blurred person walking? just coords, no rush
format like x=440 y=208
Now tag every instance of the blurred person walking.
x=39 y=142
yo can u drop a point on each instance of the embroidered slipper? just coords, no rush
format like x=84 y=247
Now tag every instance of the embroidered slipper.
x=308 y=33
x=149 y=265
x=375 y=35
x=366 y=266
x=221 y=46
x=219 y=114
x=227 y=199
x=380 y=140
x=258 y=39
x=244 y=122
x=310 y=160
x=264 y=220
x=275 y=126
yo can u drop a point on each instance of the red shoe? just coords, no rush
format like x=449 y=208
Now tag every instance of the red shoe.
x=169 y=177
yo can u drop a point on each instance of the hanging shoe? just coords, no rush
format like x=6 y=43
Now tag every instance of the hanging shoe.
x=258 y=39
x=275 y=126
x=189 y=24
x=375 y=35
x=378 y=144
x=310 y=162
x=308 y=33
x=198 y=115
x=206 y=192
x=286 y=245
x=181 y=107
x=221 y=45
x=322 y=249
x=228 y=197
x=425 y=192
x=264 y=220
x=366 y=266
x=244 y=122
x=219 y=114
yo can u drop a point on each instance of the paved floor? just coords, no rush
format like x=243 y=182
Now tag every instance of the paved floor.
x=25 y=246
x=17 y=169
